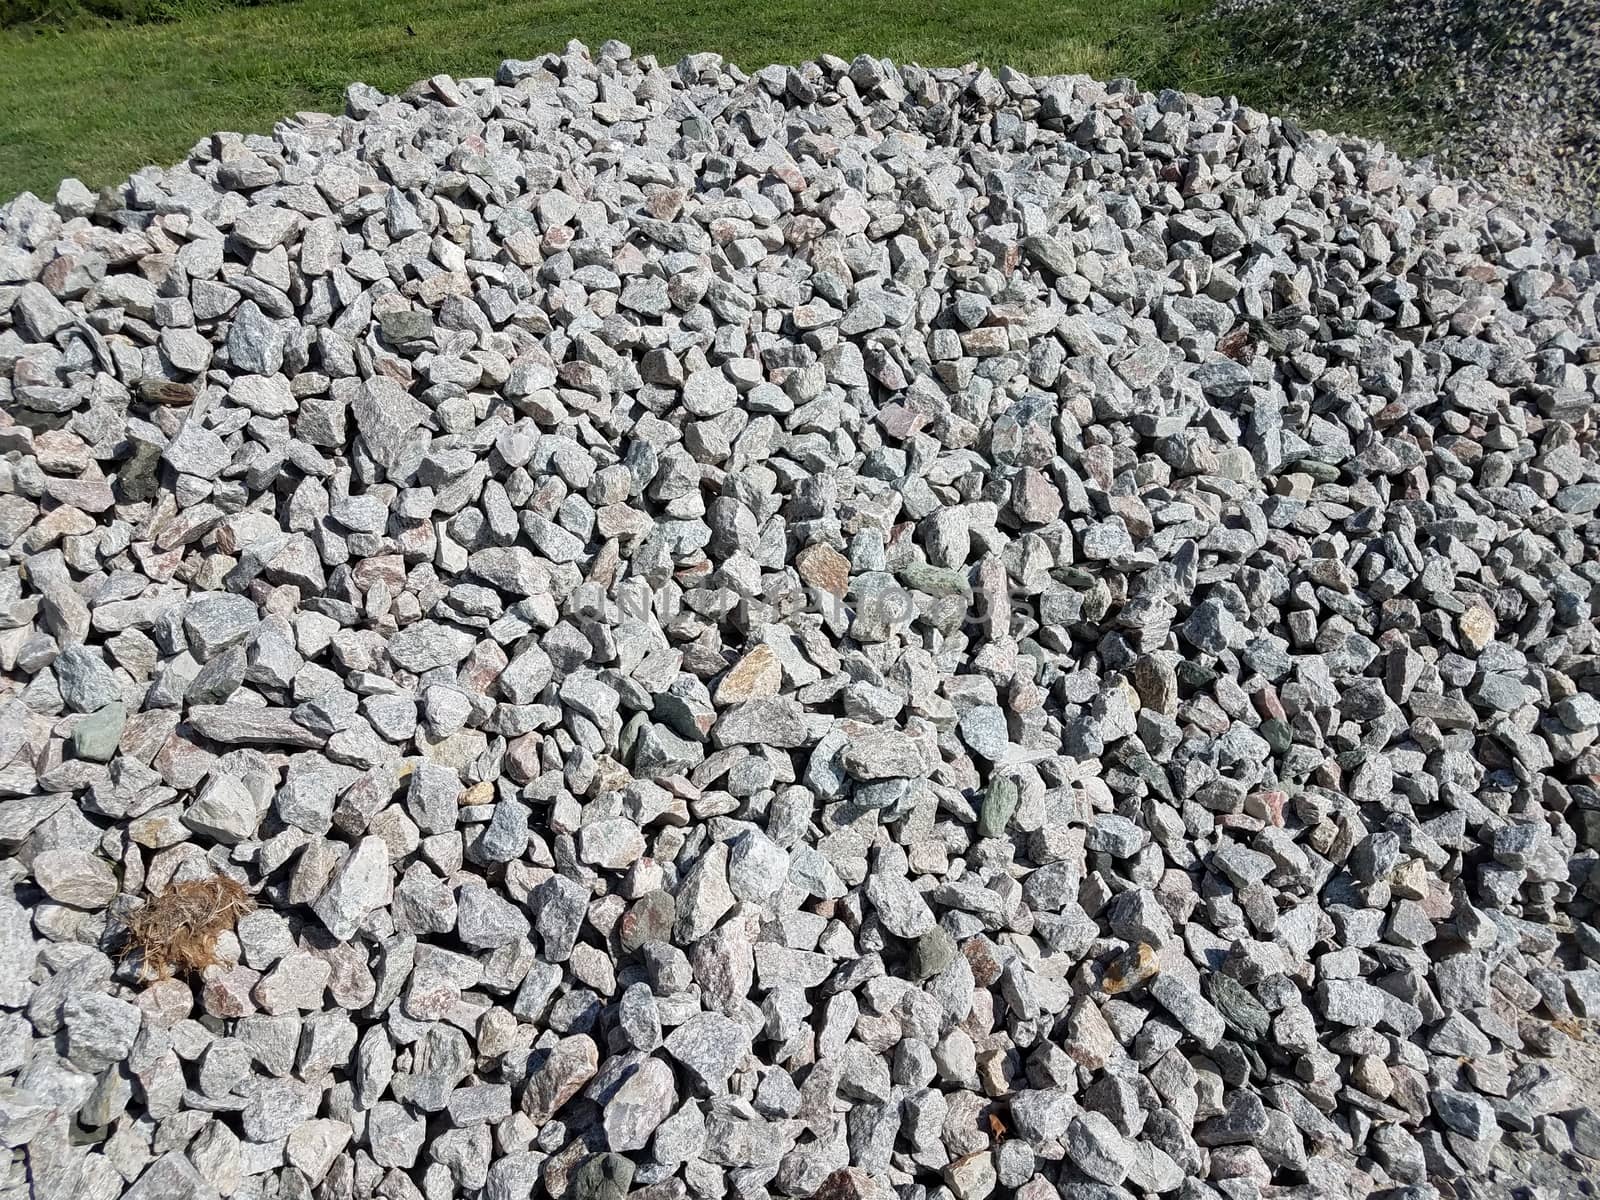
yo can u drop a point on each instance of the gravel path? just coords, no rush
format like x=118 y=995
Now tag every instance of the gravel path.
x=832 y=632
x=1507 y=91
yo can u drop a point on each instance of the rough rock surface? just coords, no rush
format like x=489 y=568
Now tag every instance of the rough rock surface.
x=837 y=631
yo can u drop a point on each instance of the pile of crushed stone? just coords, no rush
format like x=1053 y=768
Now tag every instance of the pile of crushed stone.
x=837 y=631
x=1504 y=91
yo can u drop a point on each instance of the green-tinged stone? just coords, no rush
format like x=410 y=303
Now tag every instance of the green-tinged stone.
x=935 y=581
x=139 y=474
x=96 y=736
x=1244 y=1014
x=166 y=391
x=603 y=1177
x=1073 y=577
x=932 y=952
x=1320 y=471
x=1097 y=601
x=630 y=734
x=406 y=325
x=999 y=804
x=1277 y=734
x=1147 y=769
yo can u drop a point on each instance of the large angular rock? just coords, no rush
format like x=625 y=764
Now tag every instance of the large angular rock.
x=360 y=884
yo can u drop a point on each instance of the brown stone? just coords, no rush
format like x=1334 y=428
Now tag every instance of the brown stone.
x=824 y=567
x=1477 y=626
x=227 y=991
x=900 y=421
x=980 y=955
x=1134 y=966
x=89 y=495
x=852 y=1183
x=561 y=1074
x=756 y=676
x=1034 y=498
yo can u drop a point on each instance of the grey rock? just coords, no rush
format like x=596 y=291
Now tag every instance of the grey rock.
x=883 y=754
x=983 y=729
x=75 y=877
x=1094 y=1147
x=255 y=342
x=95 y=737
x=426 y=645
x=170 y=1175
x=485 y=920
x=775 y=721
x=360 y=884
x=87 y=684
x=644 y=1099
x=197 y=451
x=709 y=1046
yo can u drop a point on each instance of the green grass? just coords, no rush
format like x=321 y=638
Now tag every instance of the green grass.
x=69 y=14
x=98 y=101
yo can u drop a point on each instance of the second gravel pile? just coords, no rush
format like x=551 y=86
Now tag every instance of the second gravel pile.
x=1507 y=91
x=636 y=630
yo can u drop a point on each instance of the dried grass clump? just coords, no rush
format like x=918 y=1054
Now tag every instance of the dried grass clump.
x=178 y=930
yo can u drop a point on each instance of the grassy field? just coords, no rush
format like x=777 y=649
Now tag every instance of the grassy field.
x=98 y=102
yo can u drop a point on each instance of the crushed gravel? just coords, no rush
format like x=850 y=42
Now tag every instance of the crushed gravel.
x=842 y=631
